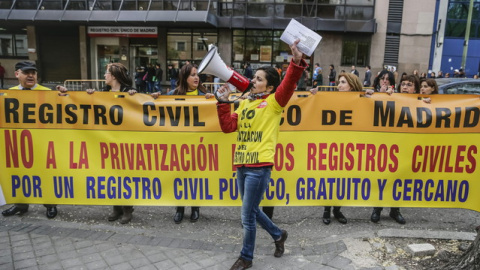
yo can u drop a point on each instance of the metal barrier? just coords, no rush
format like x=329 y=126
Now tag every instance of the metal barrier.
x=334 y=88
x=211 y=87
x=82 y=85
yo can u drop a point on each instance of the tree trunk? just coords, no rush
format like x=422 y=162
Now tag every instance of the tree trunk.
x=470 y=260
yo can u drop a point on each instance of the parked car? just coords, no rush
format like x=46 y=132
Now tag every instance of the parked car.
x=458 y=86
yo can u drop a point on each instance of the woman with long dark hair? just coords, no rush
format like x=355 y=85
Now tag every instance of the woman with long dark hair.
x=188 y=84
x=118 y=80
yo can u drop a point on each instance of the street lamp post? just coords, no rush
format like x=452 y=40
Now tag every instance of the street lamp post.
x=467 y=34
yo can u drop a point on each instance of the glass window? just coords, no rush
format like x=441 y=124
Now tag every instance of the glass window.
x=259 y=48
x=6 y=4
x=331 y=12
x=103 y=5
x=360 y=2
x=26 y=4
x=239 y=9
x=77 y=5
x=188 y=45
x=129 y=5
x=331 y=2
x=157 y=5
x=13 y=45
x=455 y=28
x=457 y=15
x=288 y=10
x=359 y=13
x=181 y=46
x=260 y=10
x=52 y=4
x=202 y=40
x=355 y=53
x=457 y=11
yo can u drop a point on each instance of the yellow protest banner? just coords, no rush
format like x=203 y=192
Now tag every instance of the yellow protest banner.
x=334 y=149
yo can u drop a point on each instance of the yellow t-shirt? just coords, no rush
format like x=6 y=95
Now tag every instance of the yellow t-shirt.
x=258 y=126
x=36 y=87
x=193 y=93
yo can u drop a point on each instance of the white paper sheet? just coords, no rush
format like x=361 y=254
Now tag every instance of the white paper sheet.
x=308 y=39
x=2 y=198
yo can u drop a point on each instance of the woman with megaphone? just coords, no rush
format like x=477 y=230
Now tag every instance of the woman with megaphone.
x=259 y=116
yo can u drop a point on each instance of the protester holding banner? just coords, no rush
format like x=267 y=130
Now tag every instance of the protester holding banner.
x=26 y=73
x=117 y=80
x=188 y=84
x=384 y=82
x=346 y=82
x=428 y=87
x=409 y=85
x=260 y=113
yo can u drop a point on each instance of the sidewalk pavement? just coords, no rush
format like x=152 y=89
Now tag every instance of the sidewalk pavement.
x=81 y=238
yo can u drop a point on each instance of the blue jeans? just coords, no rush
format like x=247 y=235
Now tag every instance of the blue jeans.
x=331 y=84
x=252 y=183
x=173 y=84
x=158 y=86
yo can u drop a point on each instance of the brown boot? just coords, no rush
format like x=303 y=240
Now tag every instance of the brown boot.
x=117 y=212
x=127 y=214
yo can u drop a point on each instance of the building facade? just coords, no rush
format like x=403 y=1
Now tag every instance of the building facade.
x=74 y=39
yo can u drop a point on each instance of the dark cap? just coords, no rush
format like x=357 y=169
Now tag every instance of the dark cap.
x=25 y=65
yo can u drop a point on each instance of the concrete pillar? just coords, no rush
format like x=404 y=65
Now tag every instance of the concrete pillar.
x=162 y=51
x=82 y=32
x=32 y=43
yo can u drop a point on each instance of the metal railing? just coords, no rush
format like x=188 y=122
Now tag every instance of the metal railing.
x=82 y=85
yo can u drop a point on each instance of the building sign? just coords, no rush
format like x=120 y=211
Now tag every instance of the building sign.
x=265 y=53
x=122 y=31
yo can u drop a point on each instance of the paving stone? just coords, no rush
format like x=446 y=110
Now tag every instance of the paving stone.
x=23 y=256
x=96 y=265
x=47 y=259
x=82 y=244
x=21 y=249
x=120 y=238
x=147 y=267
x=165 y=264
x=123 y=266
x=25 y=263
x=158 y=257
x=165 y=242
x=82 y=234
x=339 y=262
x=7 y=266
x=67 y=255
x=91 y=257
x=14 y=238
x=136 y=263
x=68 y=264
x=114 y=260
x=191 y=266
x=99 y=236
x=420 y=250
x=51 y=266
x=42 y=230
x=35 y=267
x=21 y=243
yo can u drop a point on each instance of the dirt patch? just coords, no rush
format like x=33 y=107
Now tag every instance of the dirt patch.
x=394 y=251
